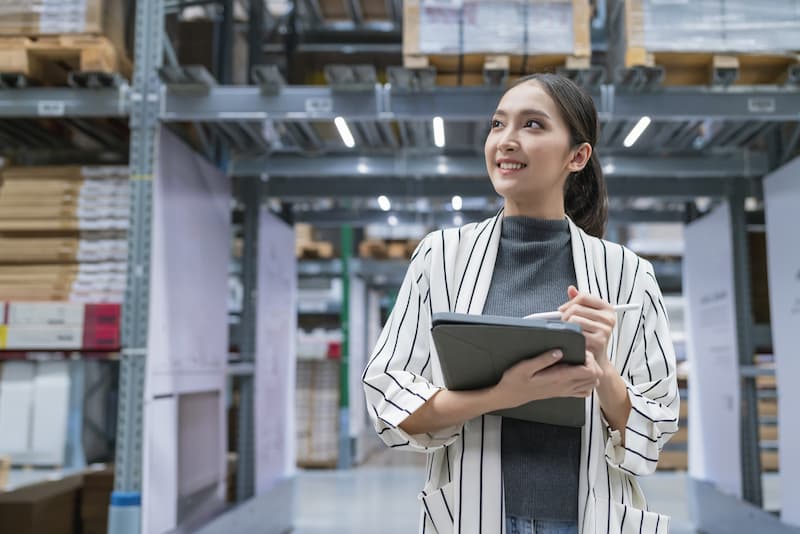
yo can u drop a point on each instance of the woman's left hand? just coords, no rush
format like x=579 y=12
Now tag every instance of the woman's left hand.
x=596 y=318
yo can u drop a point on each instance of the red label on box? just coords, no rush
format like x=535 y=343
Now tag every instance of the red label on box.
x=102 y=315
x=101 y=337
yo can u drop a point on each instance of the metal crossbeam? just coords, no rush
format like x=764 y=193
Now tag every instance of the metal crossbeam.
x=48 y=102
x=677 y=188
x=473 y=103
x=360 y=218
x=742 y=164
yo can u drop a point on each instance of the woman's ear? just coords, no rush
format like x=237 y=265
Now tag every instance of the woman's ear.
x=580 y=157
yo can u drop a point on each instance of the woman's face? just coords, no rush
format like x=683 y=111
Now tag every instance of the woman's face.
x=528 y=149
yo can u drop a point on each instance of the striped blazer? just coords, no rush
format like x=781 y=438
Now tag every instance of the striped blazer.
x=463 y=493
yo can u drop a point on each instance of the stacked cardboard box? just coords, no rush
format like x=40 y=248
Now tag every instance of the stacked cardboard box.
x=59 y=326
x=307 y=247
x=63 y=233
x=49 y=506
x=95 y=499
x=34 y=401
x=47 y=17
x=317 y=413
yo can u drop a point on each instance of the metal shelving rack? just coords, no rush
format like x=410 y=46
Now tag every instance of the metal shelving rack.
x=726 y=161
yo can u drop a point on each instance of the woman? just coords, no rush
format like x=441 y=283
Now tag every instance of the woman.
x=488 y=474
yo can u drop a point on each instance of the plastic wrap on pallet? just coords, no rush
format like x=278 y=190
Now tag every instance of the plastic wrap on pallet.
x=46 y=16
x=720 y=25
x=439 y=22
x=765 y=26
x=496 y=26
x=550 y=27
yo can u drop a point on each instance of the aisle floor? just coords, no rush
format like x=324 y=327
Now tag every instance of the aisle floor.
x=380 y=496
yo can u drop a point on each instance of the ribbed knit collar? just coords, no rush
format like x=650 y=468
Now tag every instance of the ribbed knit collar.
x=519 y=228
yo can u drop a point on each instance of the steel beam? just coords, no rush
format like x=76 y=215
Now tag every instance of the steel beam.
x=233 y=103
x=743 y=164
x=50 y=102
x=314 y=187
x=473 y=104
x=359 y=218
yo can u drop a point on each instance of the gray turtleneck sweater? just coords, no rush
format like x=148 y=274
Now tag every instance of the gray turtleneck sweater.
x=540 y=462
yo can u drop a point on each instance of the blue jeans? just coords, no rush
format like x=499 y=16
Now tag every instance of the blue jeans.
x=525 y=525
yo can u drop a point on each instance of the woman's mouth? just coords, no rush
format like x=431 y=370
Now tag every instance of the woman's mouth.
x=509 y=168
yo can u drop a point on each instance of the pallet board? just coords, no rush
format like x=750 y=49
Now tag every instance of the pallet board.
x=701 y=68
x=49 y=59
x=387 y=249
x=340 y=10
x=310 y=250
x=477 y=69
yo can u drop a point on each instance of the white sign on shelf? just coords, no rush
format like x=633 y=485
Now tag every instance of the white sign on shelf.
x=713 y=352
x=781 y=198
x=276 y=329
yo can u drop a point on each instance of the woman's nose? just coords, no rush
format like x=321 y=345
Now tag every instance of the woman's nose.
x=507 y=145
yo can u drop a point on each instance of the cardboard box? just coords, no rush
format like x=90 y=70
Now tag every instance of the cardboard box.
x=95 y=499
x=96 y=17
x=45 y=313
x=49 y=507
x=16 y=405
x=29 y=337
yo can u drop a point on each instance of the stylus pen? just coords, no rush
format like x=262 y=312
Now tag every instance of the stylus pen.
x=557 y=314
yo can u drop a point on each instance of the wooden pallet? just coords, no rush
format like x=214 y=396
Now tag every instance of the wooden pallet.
x=708 y=68
x=310 y=250
x=380 y=249
x=5 y=468
x=333 y=11
x=492 y=69
x=50 y=59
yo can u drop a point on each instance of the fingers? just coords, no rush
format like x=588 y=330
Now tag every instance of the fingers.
x=544 y=360
x=605 y=316
x=585 y=299
x=591 y=327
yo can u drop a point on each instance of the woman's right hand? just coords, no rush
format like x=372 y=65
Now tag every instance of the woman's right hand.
x=543 y=377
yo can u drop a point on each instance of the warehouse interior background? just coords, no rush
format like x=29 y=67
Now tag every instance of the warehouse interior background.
x=207 y=208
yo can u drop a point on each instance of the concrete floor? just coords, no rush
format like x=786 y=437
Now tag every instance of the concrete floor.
x=360 y=500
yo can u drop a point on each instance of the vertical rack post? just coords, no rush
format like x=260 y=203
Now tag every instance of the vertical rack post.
x=345 y=447
x=245 y=472
x=751 y=452
x=125 y=509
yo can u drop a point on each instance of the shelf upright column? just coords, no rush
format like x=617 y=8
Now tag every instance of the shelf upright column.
x=345 y=444
x=751 y=454
x=125 y=509
x=245 y=472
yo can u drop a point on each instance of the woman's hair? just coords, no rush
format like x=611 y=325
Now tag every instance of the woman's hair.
x=585 y=198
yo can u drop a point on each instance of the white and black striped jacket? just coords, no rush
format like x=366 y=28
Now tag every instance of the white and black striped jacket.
x=451 y=271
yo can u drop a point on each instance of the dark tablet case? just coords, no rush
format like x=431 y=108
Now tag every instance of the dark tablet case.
x=475 y=350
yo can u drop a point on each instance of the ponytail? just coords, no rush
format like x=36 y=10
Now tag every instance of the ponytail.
x=585 y=199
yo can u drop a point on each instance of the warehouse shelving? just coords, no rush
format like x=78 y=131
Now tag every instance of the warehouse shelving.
x=726 y=160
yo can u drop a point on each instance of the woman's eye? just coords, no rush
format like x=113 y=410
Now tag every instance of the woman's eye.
x=533 y=124
x=496 y=123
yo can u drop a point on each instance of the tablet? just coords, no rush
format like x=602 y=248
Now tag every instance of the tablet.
x=475 y=350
